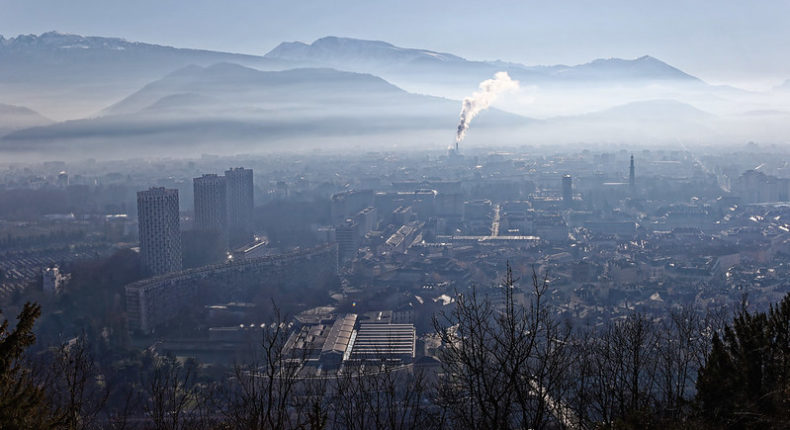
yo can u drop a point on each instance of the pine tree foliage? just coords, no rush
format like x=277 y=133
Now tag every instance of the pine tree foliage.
x=23 y=402
x=745 y=382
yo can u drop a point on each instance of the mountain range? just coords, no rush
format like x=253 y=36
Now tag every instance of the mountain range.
x=68 y=76
x=110 y=94
x=387 y=60
x=232 y=106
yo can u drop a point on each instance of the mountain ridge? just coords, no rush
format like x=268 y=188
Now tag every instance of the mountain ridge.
x=248 y=108
x=13 y=117
x=336 y=51
x=209 y=77
x=74 y=76
x=66 y=76
x=58 y=40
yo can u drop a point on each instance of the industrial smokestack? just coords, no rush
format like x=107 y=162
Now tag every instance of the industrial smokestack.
x=481 y=100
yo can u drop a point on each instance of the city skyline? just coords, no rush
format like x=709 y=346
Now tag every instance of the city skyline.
x=414 y=215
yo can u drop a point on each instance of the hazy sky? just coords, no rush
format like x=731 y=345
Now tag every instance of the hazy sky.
x=732 y=41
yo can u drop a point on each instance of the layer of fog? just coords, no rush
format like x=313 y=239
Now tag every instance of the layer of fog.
x=228 y=109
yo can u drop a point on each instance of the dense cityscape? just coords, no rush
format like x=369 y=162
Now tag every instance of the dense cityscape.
x=394 y=215
x=358 y=255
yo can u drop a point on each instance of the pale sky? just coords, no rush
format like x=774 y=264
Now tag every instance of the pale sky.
x=723 y=41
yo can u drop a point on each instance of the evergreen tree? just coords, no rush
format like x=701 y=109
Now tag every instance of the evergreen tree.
x=23 y=403
x=745 y=382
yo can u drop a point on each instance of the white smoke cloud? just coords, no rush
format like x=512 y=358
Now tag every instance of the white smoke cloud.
x=481 y=100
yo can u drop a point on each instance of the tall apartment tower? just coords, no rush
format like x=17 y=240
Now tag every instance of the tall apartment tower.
x=567 y=190
x=211 y=206
x=160 y=234
x=240 y=205
x=346 y=235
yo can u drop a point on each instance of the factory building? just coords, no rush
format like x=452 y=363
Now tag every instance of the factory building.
x=384 y=342
x=338 y=340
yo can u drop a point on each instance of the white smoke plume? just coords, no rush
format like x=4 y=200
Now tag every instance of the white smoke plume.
x=481 y=100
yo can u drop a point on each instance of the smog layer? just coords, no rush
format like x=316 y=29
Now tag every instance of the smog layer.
x=70 y=96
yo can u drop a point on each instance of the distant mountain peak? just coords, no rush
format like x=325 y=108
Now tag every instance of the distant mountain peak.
x=17 y=117
x=645 y=67
x=53 y=34
x=56 y=39
x=22 y=110
x=335 y=40
x=656 y=109
x=645 y=59
x=344 y=49
x=648 y=58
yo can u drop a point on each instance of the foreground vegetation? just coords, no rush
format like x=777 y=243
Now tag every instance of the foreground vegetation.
x=505 y=363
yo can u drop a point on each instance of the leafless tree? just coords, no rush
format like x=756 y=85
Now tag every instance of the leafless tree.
x=502 y=364
x=171 y=393
x=263 y=392
x=118 y=419
x=683 y=343
x=77 y=388
x=378 y=395
x=617 y=373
